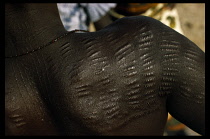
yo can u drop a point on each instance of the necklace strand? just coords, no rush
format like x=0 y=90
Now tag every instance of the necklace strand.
x=51 y=42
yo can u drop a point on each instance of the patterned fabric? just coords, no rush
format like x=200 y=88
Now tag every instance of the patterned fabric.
x=79 y=15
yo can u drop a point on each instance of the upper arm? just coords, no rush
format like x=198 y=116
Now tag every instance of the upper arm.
x=182 y=66
x=186 y=102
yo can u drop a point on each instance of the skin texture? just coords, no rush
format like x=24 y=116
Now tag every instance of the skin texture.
x=120 y=80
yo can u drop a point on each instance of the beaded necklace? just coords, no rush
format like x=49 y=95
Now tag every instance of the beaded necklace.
x=51 y=42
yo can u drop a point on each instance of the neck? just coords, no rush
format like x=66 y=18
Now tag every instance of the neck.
x=29 y=26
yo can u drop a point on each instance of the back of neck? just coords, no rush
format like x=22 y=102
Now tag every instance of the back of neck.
x=29 y=26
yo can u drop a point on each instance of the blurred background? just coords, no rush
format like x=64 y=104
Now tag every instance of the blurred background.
x=192 y=19
x=186 y=18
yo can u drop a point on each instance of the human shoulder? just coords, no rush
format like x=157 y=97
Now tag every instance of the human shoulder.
x=133 y=23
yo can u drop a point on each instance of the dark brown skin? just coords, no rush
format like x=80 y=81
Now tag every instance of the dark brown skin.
x=121 y=80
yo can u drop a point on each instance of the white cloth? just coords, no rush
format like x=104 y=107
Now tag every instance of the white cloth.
x=73 y=15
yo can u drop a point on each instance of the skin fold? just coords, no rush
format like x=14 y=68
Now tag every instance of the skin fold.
x=120 y=80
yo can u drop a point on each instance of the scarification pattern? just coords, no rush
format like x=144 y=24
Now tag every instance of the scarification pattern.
x=192 y=60
x=170 y=64
x=97 y=97
x=14 y=110
x=110 y=91
x=17 y=119
x=176 y=56
x=147 y=56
